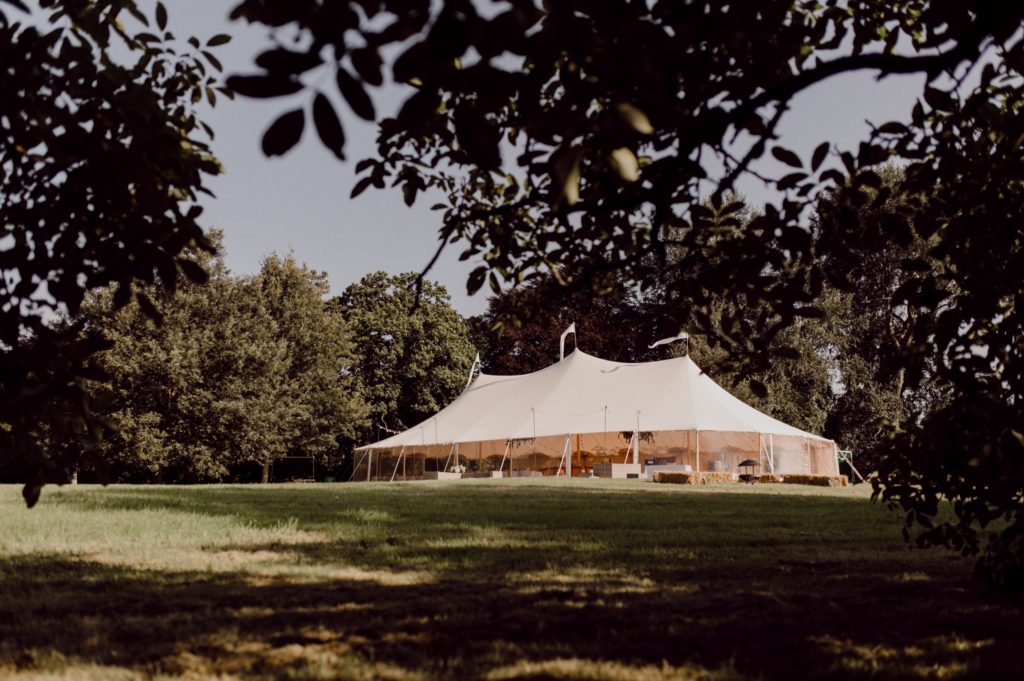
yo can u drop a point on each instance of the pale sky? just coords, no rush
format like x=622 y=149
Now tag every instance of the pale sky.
x=300 y=203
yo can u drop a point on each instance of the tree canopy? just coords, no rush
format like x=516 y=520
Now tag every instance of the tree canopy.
x=239 y=371
x=102 y=158
x=413 y=350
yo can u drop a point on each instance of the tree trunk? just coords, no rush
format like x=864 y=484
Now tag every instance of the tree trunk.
x=74 y=476
x=265 y=476
x=900 y=380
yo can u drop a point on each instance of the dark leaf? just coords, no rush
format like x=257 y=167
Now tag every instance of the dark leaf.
x=275 y=85
x=758 y=388
x=355 y=94
x=478 y=138
x=286 y=61
x=328 y=127
x=868 y=178
x=408 y=66
x=938 y=99
x=367 y=64
x=892 y=128
x=409 y=193
x=193 y=270
x=148 y=308
x=219 y=39
x=122 y=295
x=819 y=156
x=476 y=280
x=161 y=16
x=284 y=133
x=214 y=62
x=787 y=157
x=361 y=186
x=790 y=181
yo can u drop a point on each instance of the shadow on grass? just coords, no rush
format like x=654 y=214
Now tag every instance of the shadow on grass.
x=528 y=583
x=80 y=612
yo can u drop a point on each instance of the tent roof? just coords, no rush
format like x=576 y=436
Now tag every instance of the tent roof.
x=586 y=394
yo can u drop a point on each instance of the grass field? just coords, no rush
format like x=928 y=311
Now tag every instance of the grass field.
x=499 y=580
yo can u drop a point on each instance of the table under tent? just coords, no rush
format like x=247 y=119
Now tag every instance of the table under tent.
x=582 y=412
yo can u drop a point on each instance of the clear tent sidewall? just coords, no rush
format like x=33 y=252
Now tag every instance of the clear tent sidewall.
x=704 y=450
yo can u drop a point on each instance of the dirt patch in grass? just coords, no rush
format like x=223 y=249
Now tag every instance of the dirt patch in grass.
x=517 y=580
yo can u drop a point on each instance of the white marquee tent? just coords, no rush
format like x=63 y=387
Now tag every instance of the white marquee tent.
x=582 y=411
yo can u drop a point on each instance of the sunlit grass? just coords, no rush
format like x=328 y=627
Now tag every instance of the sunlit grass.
x=499 y=579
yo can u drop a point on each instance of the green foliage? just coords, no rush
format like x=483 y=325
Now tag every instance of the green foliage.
x=324 y=404
x=241 y=370
x=520 y=331
x=413 y=350
x=101 y=161
x=877 y=330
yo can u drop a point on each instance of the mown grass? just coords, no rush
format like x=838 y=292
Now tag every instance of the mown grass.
x=513 y=579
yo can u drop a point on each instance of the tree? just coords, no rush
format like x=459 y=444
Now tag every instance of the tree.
x=325 y=406
x=522 y=326
x=241 y=370
x=622 y=114
x=877 y=329
x=101 y=161
x=414 y=350
x=196 y=394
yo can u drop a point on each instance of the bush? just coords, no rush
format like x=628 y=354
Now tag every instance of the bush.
x=679 y=478
x=816 y=480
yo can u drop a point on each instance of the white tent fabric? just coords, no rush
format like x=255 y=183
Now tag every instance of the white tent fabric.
x=586 y=394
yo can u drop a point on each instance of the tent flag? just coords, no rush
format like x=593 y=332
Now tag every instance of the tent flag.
x=472 y=370
x=572 y=330
x=672 y=339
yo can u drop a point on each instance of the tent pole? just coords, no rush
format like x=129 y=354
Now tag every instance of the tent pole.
x=697 y=437
x=605 y=428
x=561 y=462
x=568 y=456
x=449 y=459
x=508 y=444
x=401 y=453
x=456 y=454
x=636 y=448
x=355 y=467
x=771 y=450
x=629 y=447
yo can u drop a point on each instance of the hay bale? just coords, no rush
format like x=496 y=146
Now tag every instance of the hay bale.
x=769 y=478
x=718 y=476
